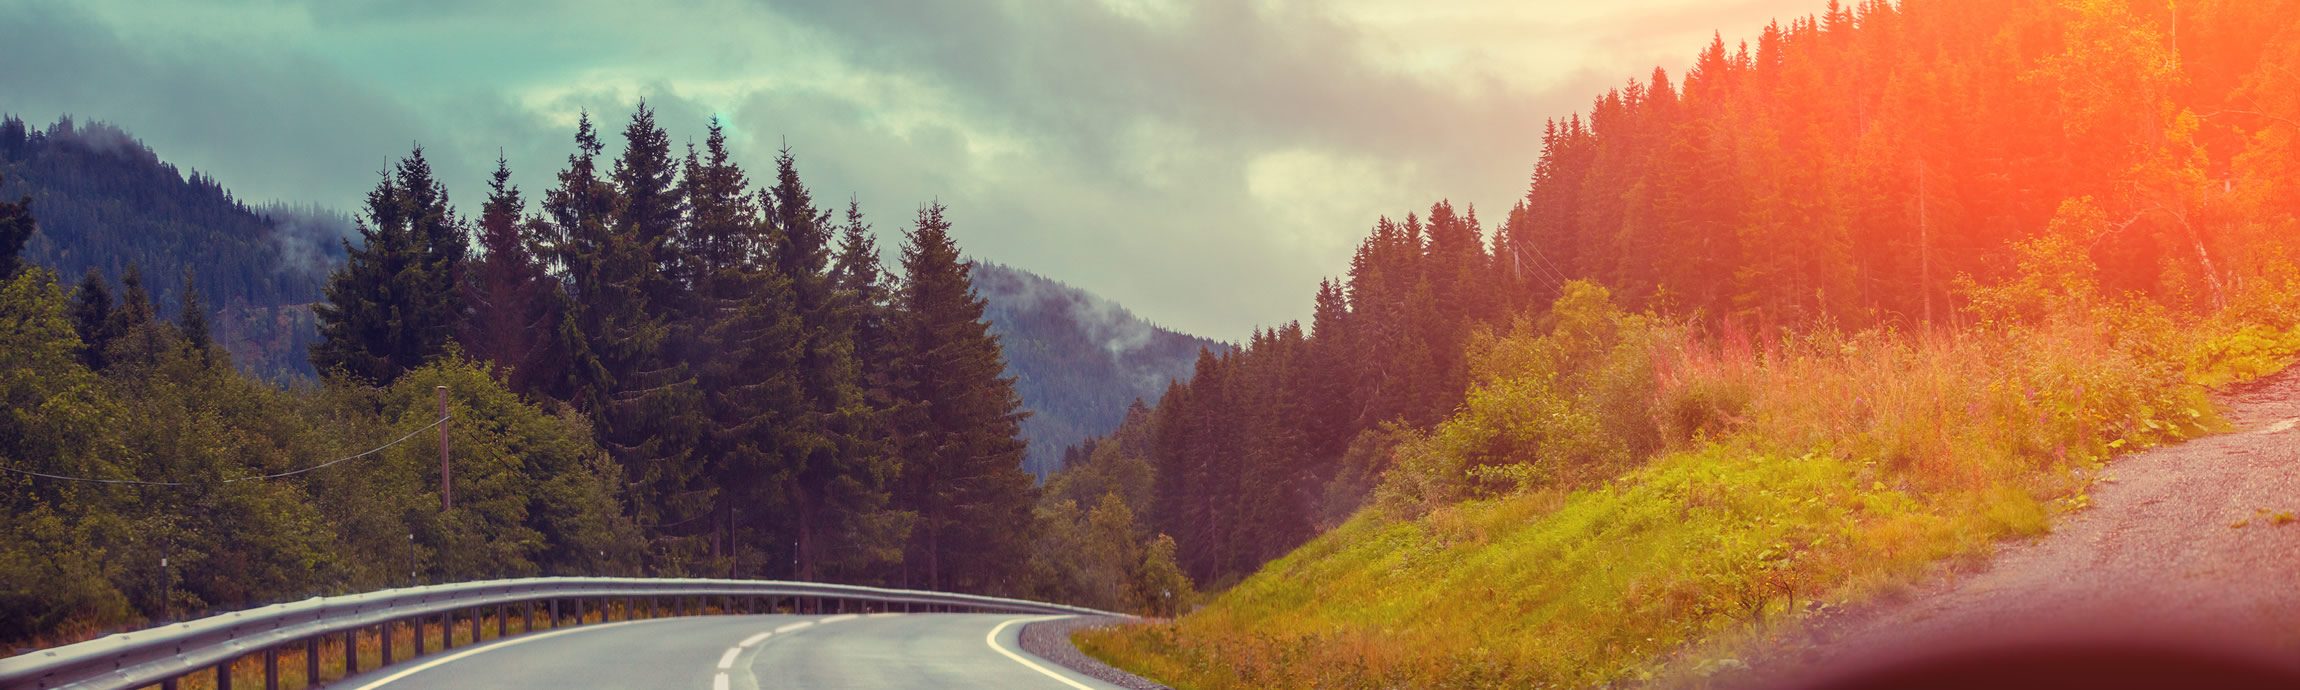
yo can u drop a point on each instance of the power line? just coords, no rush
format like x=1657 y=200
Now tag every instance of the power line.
x=260 y=477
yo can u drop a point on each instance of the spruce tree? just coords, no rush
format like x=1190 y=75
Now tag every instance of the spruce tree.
x=193 y=321
x=580 y=214
x=92 y=319
x=619 y=331
x=837 y=471
x=961 y=426
x=746 y=352
x=396 y=301
x=16 y=228
x=866 y=296
x=514 y=310
x=134 y=339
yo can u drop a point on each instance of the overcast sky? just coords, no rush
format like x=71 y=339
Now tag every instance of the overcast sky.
x=1202 y=162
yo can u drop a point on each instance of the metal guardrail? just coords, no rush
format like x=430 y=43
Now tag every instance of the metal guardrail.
x=162 y=655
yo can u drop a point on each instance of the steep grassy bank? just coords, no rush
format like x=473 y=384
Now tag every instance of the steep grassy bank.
x=1618 y=489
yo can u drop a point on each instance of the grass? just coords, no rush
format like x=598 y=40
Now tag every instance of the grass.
x=1785 y=479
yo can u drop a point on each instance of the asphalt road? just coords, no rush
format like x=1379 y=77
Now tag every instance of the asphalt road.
x=767 y=652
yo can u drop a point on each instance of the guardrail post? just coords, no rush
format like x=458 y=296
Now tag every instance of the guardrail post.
x=419 y=641
x=554 y=606
x=350 y=652
x=272 y=669
x=224 y=674
x=502 y=622
x=311 y=662
x=169 y=684
x=386 y=660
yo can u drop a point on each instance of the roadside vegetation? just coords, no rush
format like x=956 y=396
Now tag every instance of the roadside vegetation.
x=1620 y=486
x=1862 y=296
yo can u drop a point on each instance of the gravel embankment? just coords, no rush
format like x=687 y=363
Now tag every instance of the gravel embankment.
x=2197 y=541
x=1051 y=640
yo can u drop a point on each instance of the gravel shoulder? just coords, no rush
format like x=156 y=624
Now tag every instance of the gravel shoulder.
x=2192 y=541
x=1050 y=640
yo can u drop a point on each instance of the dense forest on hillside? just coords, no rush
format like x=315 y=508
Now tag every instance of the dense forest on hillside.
x=658 y=369
x=1078 y=360
x=1859 y=168
x=1886 y=285
x=107 y=202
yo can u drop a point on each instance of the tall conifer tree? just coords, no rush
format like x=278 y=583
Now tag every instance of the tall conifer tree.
x=514 y=303
x=961 y=424
x=395 y=302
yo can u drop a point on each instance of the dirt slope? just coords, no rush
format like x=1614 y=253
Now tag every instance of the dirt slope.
x=2192 y=541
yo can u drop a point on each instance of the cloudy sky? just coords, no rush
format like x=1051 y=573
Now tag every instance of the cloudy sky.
x=1202 y=161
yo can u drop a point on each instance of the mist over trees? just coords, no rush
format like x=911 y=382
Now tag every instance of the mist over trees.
x=1078 y=360
x=109 y=202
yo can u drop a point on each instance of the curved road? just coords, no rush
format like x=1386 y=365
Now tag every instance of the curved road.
x=760 y=652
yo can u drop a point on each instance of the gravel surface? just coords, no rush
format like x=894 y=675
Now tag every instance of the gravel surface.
x=1050 y=640
x=2191 y=542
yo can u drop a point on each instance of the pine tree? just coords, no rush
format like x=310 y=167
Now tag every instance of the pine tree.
x=961 y=426
x=396 y=301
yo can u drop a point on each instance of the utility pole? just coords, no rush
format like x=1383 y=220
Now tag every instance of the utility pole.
x=446 y=485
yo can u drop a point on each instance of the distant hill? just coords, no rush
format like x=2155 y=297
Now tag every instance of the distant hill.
x=1078 y=359
x=104 y=201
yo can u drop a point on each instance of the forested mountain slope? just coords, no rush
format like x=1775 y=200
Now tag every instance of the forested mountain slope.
x=106 y=202
x=1079 y=360
x=1875 y=287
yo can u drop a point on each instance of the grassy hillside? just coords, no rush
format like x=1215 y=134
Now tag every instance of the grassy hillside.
x=1527 y=541
x=1881 y=287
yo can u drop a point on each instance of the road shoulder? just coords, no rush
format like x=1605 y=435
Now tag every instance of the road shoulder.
x=1050 y=640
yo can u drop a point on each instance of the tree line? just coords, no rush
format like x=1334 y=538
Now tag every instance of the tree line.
x=781 y=404
x=662 y=368
x=1865 y=167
